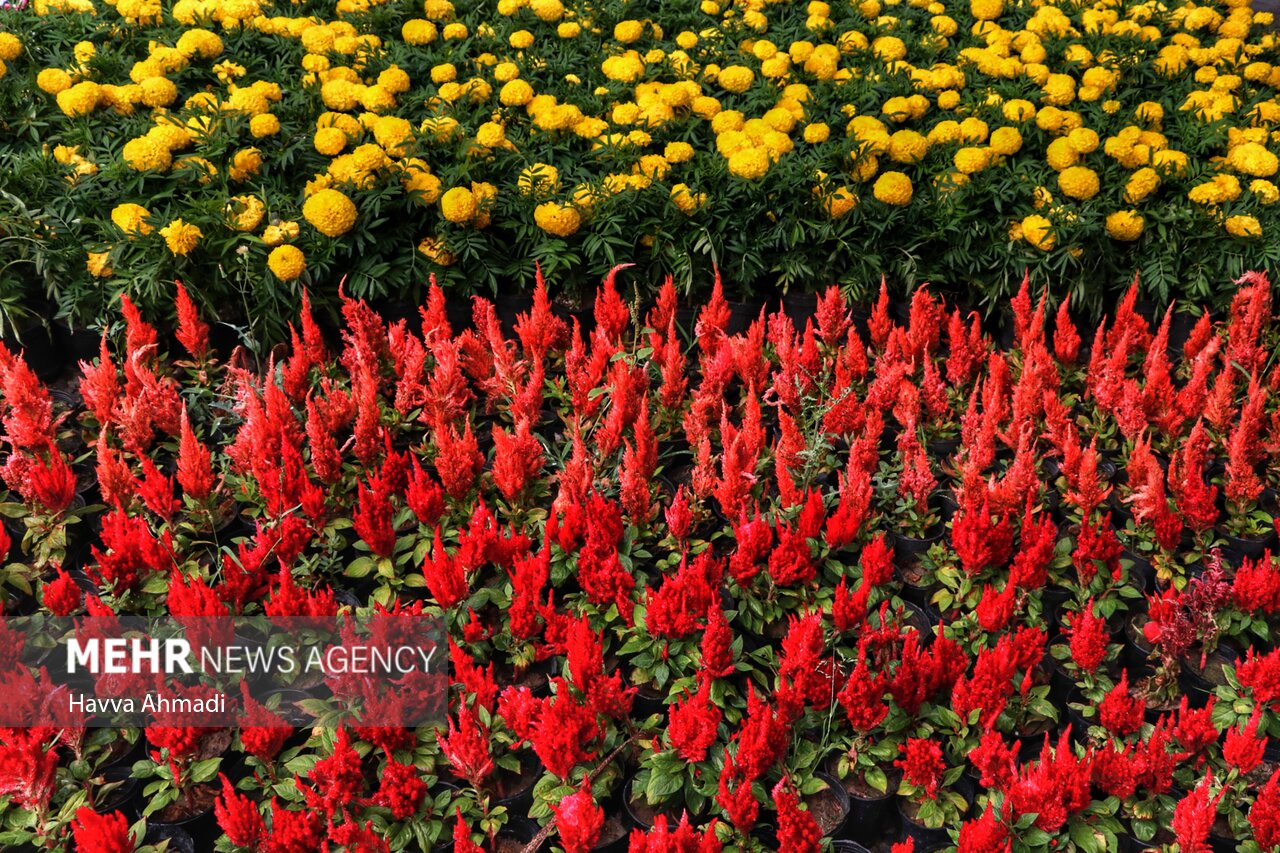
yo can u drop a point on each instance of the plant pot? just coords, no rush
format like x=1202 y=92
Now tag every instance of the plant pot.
x=38 y=346
x=848 y=847
x=516 y=794
x=1199 y=683
x=180 y=840
x=195 y=818
x=1239 y=549
x=830 y=808
x=925 y=839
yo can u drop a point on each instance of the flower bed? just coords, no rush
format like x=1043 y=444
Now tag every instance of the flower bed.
x=783 y=584
x=227 y=142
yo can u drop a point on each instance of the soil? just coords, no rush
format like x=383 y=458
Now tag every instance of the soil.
x=914 y=573
x=827 y=809
x=910 y=810
x=1214 y=671
x=614 y=828
x=196 y=801
x=507 y=844
x=645 y=813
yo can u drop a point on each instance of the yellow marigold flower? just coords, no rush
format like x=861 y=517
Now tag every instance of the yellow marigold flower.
x=1141 y=184
x=53 y=81
x=628 y=31
x=970 y=161
x=1243 y=226
x=244 y=212
x=264 y=125
x=893 y=188
x=816 y=132
x=1266 y=191
x=1018 y=109
x=686 y=199
x=10 y=47
x=98 y=264
x=736 y=78
x=889 y=48
x=678 y=152
x=521 y=40
x=417 y=178
x=330 y=212
x=146 y=154
x=538 y=177
x=245 y=164
x=839 y=202
x=907 y=146
x=181 y=237
x=749 y=163
x=459 y=205
x=1078 y=182
x=80 y=99
x=1006 y=141
x=1038 y=231
x=286 y=262
x=516 y=93
x=436 y=251
x=986 y=10
x=1084 y=140
x=329 y=141
x=1125 y=225
x=1253 y=159
x=557 y=219
x=418 y=32
x=131 y=219
x=948 y=100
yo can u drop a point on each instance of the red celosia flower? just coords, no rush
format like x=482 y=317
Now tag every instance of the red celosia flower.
x=1261 y=675
x=1066 y=341
x=262 y=733
x=1097 y=545
x=1089 y=635
x=192 y=332
x=1119 y=712
x=1264 y=814
x=736 y=797
x=716 y=647
x=849 y=610
x=862 y=696
x=1257 y=585
x=371 y=519
x=238 y=816
x=477 y=682
x=1054 y=788
x=28 y=770
x=50 y=483
x=293 y=831
x=922 y=765
x=674 y=609
x=466 y=747
x=755 y=539
x=996 y=763
x=62 y=594
x=562 y=732
x=762 y=736
x=917 y=481
x=131 y=549
x=682 y=839
x=517 y=460
x=798 y=832
x=458 y=460
x=1242 y=749
x=338 y=779
x=791 y=562
x=984 y=834
x=693 y=722
x=1193 y=818
x=1195 y=730
x=995 y=609
x=445 y=574
x=105 y=833
x=579 y=821
x=195 y=470
x=401 y=789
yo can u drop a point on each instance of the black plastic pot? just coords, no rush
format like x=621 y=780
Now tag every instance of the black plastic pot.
x=848 y=847
x=925 y=839
x=835 y=789
x=180 y=840
x=867 y=817
x=1240 y=549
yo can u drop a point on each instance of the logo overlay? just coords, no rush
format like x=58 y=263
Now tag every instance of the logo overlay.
x=357 y=669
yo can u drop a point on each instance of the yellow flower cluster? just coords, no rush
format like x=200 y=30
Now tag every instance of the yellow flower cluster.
x=867 y=112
